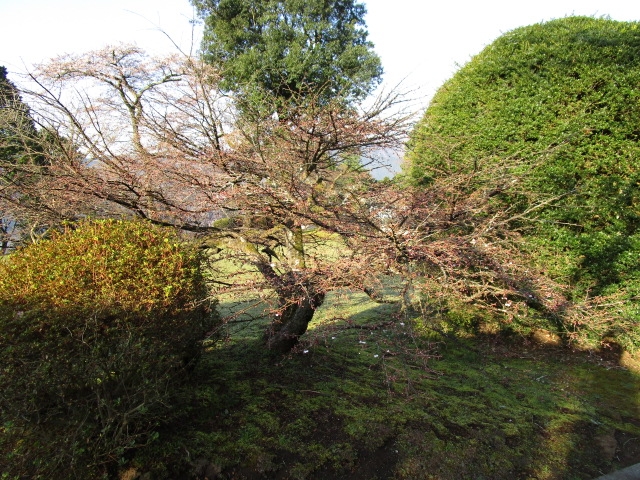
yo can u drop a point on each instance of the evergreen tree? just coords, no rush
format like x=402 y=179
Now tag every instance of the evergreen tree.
x=287 y=49
x=555 y=104
x=25 y=152
x=17 y=145
x=17 y=129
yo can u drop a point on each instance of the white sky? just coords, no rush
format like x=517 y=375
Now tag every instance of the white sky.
x=419 y=41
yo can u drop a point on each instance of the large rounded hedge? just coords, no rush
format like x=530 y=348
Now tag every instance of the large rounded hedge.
x=559 y=102
x=98 y=326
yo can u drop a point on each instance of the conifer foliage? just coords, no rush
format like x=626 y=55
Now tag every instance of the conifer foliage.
x=286 y=48
x=552 y=107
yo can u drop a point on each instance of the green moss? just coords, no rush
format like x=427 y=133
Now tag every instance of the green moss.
x=361 y=402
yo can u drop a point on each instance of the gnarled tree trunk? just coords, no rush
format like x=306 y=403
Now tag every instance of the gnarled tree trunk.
x=299 y=299
x=285 y=332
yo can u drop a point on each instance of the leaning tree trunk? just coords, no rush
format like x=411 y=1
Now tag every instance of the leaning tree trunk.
x=293 y=320
x=298 y=292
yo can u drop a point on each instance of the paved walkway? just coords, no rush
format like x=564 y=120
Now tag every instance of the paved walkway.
x=629 y=473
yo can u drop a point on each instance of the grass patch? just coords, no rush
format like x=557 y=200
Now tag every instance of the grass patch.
x=365 y=397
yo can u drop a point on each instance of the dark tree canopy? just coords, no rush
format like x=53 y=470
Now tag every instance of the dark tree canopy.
x=16 y=125
x=19 y=145
x=288 y=47
x=559 y=101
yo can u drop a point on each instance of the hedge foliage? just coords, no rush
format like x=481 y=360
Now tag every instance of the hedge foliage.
x=559 y=103
x=98 y=325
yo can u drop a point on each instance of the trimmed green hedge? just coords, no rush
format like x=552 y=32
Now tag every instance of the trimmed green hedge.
x=556 y=105
x=98 y=326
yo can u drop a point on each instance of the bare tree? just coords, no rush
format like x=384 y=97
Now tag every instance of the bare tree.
x=155 y=138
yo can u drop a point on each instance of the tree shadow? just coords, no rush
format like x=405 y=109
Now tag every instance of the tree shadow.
x=582 y=408
x=362 y=398
x=610 y=427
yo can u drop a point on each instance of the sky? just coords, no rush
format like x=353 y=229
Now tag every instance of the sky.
x=421 y=42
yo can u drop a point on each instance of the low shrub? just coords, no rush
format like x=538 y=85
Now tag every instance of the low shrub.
x=98 y=325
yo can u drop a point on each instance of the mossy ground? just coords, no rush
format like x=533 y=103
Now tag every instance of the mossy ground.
x=365 y=397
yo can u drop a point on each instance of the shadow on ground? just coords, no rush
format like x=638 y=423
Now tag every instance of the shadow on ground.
x=365 y=397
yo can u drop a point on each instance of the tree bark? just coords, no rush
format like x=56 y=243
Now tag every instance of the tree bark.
x=302 y=300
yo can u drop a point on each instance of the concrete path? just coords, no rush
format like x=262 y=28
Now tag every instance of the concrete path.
x=629 y=473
